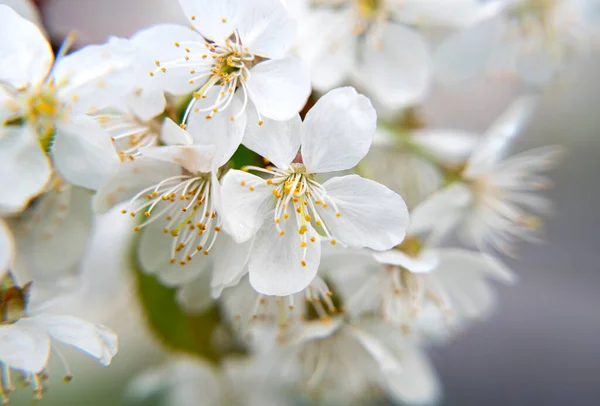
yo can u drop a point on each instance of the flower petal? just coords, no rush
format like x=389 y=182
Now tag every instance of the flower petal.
x=397 y=70
x=500 y=135
x=278 y=265
x=195 y=296
x=451 y=13
x=243 y=210
x=229 y=263
x=193 y=158
x=215 y=20
x=95 y=339
x=371 y=215
x=24 y=167
x=26 y=9
x=451 y=147
x=465 y=54
x=337 y=132
x=24 y=345
x=223 y=132
x=172 y=134
x=131 y=178
x=424 y=263
x=285 y=80
x=277 y=141
x=83 y=153
x=26 y=54
x=50 y=247
x=158 y=42
x=442 y=210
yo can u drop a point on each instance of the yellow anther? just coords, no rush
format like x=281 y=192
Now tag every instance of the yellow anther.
x=205 y=252
x=338 y=214
x=277 y=221
x=157 y=63
x=124 y=211
x=137 y=228
x=302 y=229
x=318 y=222
x=307 y=218
x=163 y=69
x=281 y=232
x=165 y=230
x=199 y=248
x=303 y=244
x=333 y=242
x=260 y=122
x=285 y=216
x=242 y=183
x=223 y=20
x=269 y=181
x=313 y=239
x=303 y=263
x=147 y=214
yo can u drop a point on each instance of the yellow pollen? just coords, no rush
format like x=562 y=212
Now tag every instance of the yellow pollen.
x=318 y=222
x=313 y=239
x=338 y=214
x=307 y=218
x=303 y=244
x=303 y=263
x=223 y=20
x=177 y=44
x=251 y=188
x=302 y=229
x=285 y=216
x=333 y=242
x=217 y=229
x=281 y=232
x=269 y=182
x=260 y=122
x=277 y=221
x=205 y=252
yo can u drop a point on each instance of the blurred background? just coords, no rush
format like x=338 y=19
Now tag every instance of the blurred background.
x=542 y=344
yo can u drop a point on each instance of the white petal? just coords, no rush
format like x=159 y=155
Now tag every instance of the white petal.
x=386 y=361
x=451 y=147
x=193 y=158
x=276 y=266
x=328 y=45
x=83 y=153
x=278 y=141
x=159 y=44
x=223 y=132
x=95 y=339
x=424 y=263
x=96 y=75
x=145 y=103
x=397 y=71
x=7 y=247
x=26 y=54
x=465 y=54
x=285 y=80
x=337 y=132
x=500 y=135
x=418 y=383
x=267 y=29
x=195 y=295
x=24 y=345
x=50 y=247
x=371 y=214
x=131 y=178
x=26 y=9
x=229 y=263
x=24 y=167
x=172 y=134
x=447 y=13
x=244 y=211
x=442 y=210
x=207 y=16
x=475 y=262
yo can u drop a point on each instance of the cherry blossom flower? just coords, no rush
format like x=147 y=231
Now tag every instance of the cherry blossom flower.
x=377 y=44
x=43 y=104
x=176 y=189
x=25 y=338
x=532 y=38
x=235 y=50
x=290 y=212
x=495 y=203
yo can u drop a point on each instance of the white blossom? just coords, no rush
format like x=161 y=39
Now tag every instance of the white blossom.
x=290 y=212
x=235 y=51
x=495 y=201
x=43 y=104
x=532 y=38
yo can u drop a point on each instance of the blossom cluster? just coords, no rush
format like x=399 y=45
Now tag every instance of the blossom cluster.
x=271 y=161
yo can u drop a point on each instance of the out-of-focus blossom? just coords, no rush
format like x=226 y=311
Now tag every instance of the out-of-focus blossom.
x=290 y=212
x=188 y=382
x=376 y=43
x=25 y=338
x=532 y=38
x=425 y=291
x=411 y=162
x=51 y=235
x=495 y=202
x=26 y=9
x=235 y=54
x=342 y=363
x=44 y=105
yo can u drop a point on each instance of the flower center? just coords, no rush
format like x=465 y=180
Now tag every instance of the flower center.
x=368 y=9
x=43 y=110
x=534 y=19
x=210 y=64
x=184 y=203
x=298 y=194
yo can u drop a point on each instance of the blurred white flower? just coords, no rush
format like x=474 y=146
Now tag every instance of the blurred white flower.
x=233 y=44
x=26 y=9
x=495 y=202
x=341 y=363
x=425 y=291
x=44 y=106
x=25 y=338
x=290 y=212
x=532 y=38
x=376 y=43
x=189 y=382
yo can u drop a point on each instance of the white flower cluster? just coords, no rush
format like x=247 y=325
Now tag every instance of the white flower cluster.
x=245 y=198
